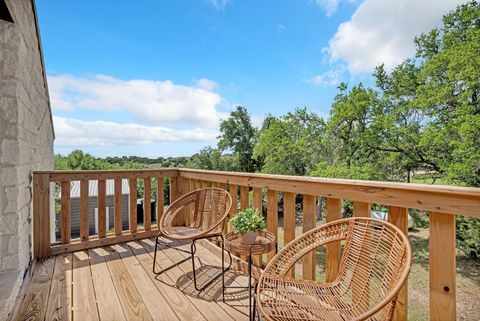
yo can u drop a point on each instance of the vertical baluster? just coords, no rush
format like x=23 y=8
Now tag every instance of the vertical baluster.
x=257 y=203
x=84 y=227
x=147 y=203
x=233 y=192
x=174 y=182
x=133 y=205
x=118 y=219
x=272 y=218
x=160 y=198
x=442 y=267
x=289 y=223
x=243 y=197
x=309 y=222
x=66 y=231
x=101 y=208
x=361 y=209
x=334 y=212
x=398 y=216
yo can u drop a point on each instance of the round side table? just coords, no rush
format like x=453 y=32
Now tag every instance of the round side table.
x=264 y=243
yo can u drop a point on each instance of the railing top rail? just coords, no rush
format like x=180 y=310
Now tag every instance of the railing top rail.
x=108 y=174
x=439 y=198
x=446 y=199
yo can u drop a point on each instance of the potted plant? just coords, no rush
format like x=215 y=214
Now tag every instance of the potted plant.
x=247 y=223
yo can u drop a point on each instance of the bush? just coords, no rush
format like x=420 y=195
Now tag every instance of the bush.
x=468 y=236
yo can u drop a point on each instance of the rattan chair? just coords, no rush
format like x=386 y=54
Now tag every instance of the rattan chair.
x=375 y=263
x=209 y=208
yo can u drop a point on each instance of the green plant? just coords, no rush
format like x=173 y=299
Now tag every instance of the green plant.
x=247 y=220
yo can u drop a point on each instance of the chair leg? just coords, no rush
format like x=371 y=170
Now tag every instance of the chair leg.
x=217 y=275
x=155 y=258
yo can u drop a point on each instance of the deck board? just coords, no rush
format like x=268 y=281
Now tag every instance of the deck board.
x=109 y=306
x=117 y=283
x=59 y=307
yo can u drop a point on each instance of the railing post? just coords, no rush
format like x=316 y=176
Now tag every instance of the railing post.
x=332 y=260
x=398 y=216
x=442 y=267
x=41 y=215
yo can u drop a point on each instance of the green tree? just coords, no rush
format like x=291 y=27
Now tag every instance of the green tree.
x=291 y=144
x=239 y=136
x=212 y=159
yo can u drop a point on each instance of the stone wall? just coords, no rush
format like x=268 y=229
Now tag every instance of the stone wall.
x=26 y=141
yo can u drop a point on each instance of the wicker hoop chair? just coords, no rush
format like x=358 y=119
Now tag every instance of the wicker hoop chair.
x=211 y=207
x=375 y=263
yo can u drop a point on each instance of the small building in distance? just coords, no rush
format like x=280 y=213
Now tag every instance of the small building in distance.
x=93 y=207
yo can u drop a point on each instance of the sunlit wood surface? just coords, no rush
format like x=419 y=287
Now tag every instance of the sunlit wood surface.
x=117 y=283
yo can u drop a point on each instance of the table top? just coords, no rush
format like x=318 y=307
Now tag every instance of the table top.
x=264 y=243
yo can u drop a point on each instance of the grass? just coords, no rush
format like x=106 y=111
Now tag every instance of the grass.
x=468 y=278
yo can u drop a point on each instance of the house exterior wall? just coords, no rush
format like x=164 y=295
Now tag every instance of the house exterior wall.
x=26 y=142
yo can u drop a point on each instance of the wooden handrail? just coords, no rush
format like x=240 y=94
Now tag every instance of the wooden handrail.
x=437 y=198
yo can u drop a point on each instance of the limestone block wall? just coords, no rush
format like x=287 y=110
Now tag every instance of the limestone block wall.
x=26 y=132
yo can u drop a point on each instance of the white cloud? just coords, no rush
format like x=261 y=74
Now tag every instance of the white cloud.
x=382 y=31
x=74 y=133
x=329 y=6
x=219 y=4
x=153 y=102
x=207 y=84
x=331 y=77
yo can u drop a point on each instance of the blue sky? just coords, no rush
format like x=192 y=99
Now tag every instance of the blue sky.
x=154 y=78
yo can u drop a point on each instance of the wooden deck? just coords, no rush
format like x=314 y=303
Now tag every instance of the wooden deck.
x=117 y=283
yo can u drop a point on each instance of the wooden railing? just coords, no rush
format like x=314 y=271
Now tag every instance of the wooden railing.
x=442 y=203
x=45 y=183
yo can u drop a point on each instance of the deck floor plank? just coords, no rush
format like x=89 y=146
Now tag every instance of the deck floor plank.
x=210 y=310
x=184 y=309
x=132 y=303
x=238 y=307
x=109 y=306
x=117 y=283
x=34 y=304
x=154 y=301
x=84 y=306
x=59 y=307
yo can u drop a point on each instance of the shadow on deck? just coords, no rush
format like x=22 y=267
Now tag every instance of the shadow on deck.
x=117 y=283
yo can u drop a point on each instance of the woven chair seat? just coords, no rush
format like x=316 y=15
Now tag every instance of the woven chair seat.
x=182 y=232
x=375 y=263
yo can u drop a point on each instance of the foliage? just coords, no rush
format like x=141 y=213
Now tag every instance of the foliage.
x=239 y=136
x=212 y=159
x=290 y=144
x=246 y=220
x=468 y=235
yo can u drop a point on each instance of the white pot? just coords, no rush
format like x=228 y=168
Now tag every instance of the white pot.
x=249 y=237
